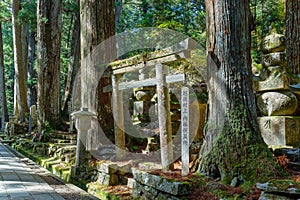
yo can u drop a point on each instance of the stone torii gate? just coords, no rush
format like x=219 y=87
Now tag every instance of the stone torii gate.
x=159 y=61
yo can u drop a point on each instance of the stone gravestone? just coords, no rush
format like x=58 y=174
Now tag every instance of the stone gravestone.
x=185 y=131
x=275 y=102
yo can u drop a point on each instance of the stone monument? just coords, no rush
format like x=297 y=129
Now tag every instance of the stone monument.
x=276 y=103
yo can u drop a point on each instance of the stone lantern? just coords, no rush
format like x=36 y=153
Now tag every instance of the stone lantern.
x=83 y=124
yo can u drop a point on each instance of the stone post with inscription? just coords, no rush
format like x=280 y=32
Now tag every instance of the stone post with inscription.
x=185 y=131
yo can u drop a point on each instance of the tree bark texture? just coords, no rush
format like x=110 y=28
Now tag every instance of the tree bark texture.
x=49 y=35
x=233 y=144
x=293 y=35
x=20 y=72
x=4 y=114
x=97 y=25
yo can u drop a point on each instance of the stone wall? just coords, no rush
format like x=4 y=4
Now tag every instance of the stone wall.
x=148 y=186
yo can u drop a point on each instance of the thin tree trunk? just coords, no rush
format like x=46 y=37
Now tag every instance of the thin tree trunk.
x=233 y=144
x=20 y=79
x=293 y=35
x=74 y=64
x=32 y=96
x=4 y=114
x=24 y=41
x=49 y=35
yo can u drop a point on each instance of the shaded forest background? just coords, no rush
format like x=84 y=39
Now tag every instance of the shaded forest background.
x=184 y=16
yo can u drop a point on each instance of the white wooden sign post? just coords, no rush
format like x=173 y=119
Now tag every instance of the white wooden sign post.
x=185 y=131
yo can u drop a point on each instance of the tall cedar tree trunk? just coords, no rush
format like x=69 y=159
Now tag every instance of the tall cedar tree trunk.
x=49 y=35
x=293 y=35
x=233 y=144
x=4 y=114
x=32 y=98
x=74 y=64
x=21 y=106
x=96 y=26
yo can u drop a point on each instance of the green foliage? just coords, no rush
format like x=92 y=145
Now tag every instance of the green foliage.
x=5 y=14
x=9 y=72
x=27 y=14
x=268 y=15
x=48 y=128
x=68 y=17
x=187 y=17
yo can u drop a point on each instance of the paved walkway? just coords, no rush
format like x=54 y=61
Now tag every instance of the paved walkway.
x=19 y=182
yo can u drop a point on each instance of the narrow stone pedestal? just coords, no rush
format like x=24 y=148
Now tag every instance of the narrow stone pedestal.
x=280 y=130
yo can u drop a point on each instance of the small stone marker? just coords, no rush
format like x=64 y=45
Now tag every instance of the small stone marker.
x=33 y=113
x=185 y=130
x=32 y=118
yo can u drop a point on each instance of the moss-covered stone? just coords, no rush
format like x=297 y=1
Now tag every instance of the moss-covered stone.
x=274 y=43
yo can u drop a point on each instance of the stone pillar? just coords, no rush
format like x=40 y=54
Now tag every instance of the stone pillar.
x=185 y=131
x=83 y=124
x=164 y=118
x=118 y=114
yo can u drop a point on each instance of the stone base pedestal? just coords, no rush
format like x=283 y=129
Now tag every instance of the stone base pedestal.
x=280 y=130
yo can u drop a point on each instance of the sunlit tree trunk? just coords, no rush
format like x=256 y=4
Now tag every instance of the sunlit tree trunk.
x=20 y=73
x=233 y=144
x=97 y=25
x=4 y=114
x=293 y=35
x=48 y=56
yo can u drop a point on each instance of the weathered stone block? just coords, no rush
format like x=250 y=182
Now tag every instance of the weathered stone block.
x=108 y=179
x=161 y=184
x=149 y=166
x=274 y=59
x=124 y=168
x=130 y=182
x=274 y=43
x=277 y=80
x=107 y=167
x=280 y=130
x=142 y=107
x=277 y=103
x=144 y=192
